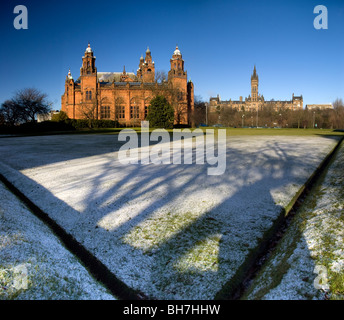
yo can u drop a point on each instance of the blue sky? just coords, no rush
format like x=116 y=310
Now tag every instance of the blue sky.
x=220 y=41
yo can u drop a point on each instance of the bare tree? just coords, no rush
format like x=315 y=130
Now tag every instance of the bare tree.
x=179 y=104
x=89 y=111
x=2 y=119
x=160 y=76
x=338 y=104
x=31 y=102
x=337 y=117
x=199 y=114
x=25 y=106
x=11 y=113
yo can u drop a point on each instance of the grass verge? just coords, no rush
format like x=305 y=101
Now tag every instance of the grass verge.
x=314 y=238
x=235 y=287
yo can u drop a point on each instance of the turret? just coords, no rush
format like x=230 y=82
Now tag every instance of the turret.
x=88 y=62
x=177 y=65
x=146 y=70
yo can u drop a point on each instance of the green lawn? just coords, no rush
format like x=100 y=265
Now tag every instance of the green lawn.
x=230 y=131
x=280 y=132
x=241 y=131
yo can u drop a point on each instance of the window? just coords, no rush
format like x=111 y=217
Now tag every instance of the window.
x=134 y=112
x=88 y=95
x=146 y=111
x=104 y=112
x=120 y=112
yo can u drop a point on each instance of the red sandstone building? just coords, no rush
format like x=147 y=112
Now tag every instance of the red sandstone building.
x=125 y=96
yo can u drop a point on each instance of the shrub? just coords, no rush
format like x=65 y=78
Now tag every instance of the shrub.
x=58 y=117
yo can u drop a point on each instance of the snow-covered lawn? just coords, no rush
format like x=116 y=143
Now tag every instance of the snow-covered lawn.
x=310 y=259
x=34 y=264
x=170 y=231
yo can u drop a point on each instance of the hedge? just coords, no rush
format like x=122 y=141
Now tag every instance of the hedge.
x=66 y=125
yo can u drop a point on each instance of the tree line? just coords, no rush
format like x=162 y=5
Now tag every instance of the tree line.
x=268 y=117
x=27 y=103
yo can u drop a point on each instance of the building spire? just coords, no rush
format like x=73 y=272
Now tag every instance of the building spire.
x=254 y=75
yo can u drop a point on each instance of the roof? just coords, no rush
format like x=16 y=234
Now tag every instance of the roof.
x=114 y=76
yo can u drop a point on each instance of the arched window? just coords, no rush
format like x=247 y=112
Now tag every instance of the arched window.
x=88 y=95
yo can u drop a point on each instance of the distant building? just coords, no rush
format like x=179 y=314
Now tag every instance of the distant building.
x=325 y=106
x=255 y=100
x=125 y=96
x=46 y=117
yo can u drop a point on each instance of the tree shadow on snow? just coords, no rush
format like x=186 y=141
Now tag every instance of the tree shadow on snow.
x=200 y=256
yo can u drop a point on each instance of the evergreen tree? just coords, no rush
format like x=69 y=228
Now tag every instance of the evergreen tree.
x=160 y=113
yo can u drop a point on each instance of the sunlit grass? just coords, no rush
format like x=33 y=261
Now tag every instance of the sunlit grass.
x=154 y=231
x=204 y=256
x=236 y=131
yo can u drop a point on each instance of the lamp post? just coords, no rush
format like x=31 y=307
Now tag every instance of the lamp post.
x=206 y=113
x=313 y=119
x=242 y=120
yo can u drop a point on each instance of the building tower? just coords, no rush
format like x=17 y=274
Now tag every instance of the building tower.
x=146 y=70
x=177 y=66
x=181 y=93
x=88 y=77
x=88 y=63
x=254 y=85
